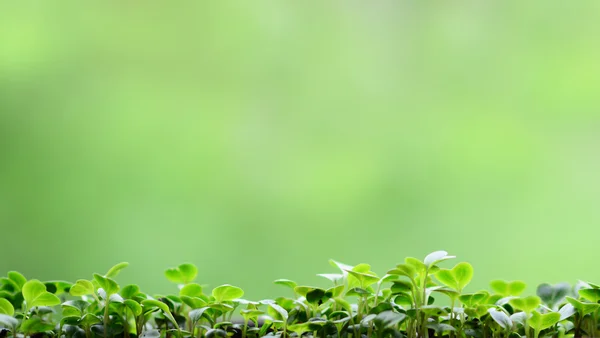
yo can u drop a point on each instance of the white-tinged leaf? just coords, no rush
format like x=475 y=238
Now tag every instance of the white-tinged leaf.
x=435 y=257
x=501 y=318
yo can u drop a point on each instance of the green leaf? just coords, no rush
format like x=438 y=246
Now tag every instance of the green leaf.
x=227 y=292
x=584 y=308
x=163 y=307
x=541 y=322
x=286 y=282
x=501 y=318
x=191 y=290
x=526 y=304
x=89 y=319
x=416 y=264
x=134 y=306
x=436 y=257
x=251 y=313
x=130 y=291
x=6 y=307
x=365 y=278
x=514 y=288
x=183 y=274
x=196 y=314
x=35 y=325
x=388 y=318
x=403 y=270
x=593 y=295
x=75 y=307
x=35 y=294
x=17 y=278
x=114 y=271
x=193 y=302
x=81 y=288
x=316 y=296
x=107 y=284
x=281 y=311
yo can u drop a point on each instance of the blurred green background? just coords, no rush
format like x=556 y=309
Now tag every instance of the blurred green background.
x=259 y=139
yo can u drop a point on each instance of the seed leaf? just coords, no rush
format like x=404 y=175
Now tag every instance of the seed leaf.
x=163 y=307
x=130 y=291
x=114 y=271
x=514 y=288
x=566 y=311
x=35 y=294
x=183 y=274
x=18 y=278
x=436 y=257
x=501 y=318
x=286 y=282
x=526 y=304
x=593 y=295
x=81 y=288
x=6 y=307
x=584 y=308
x=541 y=322
x=191 y=290
x=109 y=286
x=227 y=292
x=552 y=295
x=134 y=306
x=281 y=311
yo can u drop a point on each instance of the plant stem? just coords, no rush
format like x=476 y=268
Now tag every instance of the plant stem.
x=106 y=302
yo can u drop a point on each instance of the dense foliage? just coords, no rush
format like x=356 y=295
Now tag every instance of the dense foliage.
x=358 y=304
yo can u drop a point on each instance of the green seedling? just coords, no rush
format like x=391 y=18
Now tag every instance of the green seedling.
x=183 y=274
x=539 y=322
x=356 y=303
x=552 y=295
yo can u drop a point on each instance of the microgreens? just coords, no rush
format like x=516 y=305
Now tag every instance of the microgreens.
x=356 y=304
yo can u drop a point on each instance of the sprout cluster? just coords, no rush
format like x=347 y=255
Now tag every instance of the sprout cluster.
x=358 y=304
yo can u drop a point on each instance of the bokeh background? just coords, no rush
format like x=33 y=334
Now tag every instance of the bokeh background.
x=258 y=139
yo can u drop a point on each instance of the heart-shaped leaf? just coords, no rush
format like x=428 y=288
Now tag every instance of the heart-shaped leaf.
x=35 y=294
x=541 y=322
x=552 y=295
x=504 y=288
x=227 y=292
x=183 y=274
x=456 y=278
x=526 y=304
